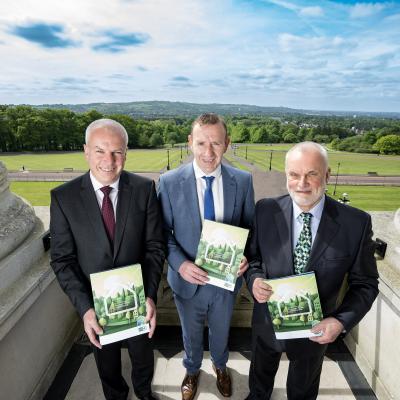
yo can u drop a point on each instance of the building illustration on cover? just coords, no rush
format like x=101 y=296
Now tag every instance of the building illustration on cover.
x=294 y=306
x=220 y=252
x=120 y=303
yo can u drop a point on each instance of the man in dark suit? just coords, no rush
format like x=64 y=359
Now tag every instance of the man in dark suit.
x=300 y=232
x=183 y=194
x=104 y=219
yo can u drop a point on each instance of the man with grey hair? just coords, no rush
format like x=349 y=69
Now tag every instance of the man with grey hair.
x=104 y=219
x=302 y=232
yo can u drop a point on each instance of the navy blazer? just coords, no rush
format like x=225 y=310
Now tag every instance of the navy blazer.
x=177 y=192
x=79 y=243
x=343 y=248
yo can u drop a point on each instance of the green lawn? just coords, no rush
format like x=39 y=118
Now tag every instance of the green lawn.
x=37 y=193
x=156 y=160
x=371 y=198
x=137 y=160
x=232 y=160
x=350 y=163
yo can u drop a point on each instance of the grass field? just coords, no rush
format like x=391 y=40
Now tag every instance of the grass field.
x=156 y=160
x=371 y=198
x=37 y=193
x=137 y=160
x=350 y=163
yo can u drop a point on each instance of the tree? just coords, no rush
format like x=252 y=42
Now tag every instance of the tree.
x=389 y=144
x=156 y=140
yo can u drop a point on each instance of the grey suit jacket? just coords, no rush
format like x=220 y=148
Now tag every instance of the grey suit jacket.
x=79 y=243
x=343 y=247
x=182 y=222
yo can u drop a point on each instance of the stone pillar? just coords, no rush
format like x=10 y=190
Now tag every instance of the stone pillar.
x=37 y=321
x=374 y=343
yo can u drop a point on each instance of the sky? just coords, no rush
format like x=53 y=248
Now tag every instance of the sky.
x=320 y=55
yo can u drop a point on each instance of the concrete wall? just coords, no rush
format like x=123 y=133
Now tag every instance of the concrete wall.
x=34 y=349
x=375 y=342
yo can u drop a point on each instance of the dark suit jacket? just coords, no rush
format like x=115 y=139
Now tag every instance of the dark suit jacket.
x=79 y=243
x=182 y=221
x=343 y=247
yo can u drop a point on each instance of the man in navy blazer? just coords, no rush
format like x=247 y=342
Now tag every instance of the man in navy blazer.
x=81 y=244
x=182 y=193
x=341 y=248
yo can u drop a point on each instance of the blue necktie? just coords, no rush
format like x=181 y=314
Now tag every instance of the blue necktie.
x=209 y=212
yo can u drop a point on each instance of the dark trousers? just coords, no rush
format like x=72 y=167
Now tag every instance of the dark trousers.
x=108 y=361
x=302 y=380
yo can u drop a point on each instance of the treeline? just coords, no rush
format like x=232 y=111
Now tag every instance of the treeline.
x=24 y=128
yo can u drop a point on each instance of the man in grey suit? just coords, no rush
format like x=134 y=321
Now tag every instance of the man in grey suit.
x=301 y=232
x=104 y=219
x=185 y=200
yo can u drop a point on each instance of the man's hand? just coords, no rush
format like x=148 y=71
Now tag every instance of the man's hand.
x=330 y=328
x=243 y=266
x=192 y=273
x=92 y=328
x=261 y=290
x=151 y=315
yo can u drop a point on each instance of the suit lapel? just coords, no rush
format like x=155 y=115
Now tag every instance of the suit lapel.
x=93 y=212
x=283 y=222
x=123 y=204
x=229 y=190
x=189 y=190
x=328 y=228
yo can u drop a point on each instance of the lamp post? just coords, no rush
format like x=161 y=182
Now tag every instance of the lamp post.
x=246 y=152
x=168 y=167
x=337 y=174
x=270 y=161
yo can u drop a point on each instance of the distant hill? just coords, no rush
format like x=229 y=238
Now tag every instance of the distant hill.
x=163 y=109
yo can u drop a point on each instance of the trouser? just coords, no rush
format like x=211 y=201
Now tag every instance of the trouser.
x=108 y=361
x=303 y=376
x=215 y=305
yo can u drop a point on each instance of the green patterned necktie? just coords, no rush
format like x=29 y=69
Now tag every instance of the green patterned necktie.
x=303 y=246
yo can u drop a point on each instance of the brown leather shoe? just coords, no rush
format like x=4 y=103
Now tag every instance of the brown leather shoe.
x=189 y=386
x=224 y=383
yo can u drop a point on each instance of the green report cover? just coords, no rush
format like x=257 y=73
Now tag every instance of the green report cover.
x=220 y=251
x=120 y=303
x=294 y=306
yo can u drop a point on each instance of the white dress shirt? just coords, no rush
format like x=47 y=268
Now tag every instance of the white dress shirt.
x=217 y=190
x=316 y=213
x=100 y=195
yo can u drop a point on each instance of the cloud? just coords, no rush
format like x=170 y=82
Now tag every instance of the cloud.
x=117 y=42
x=311 y=11
x=74 y=81
x=46 y=35
x=363 y=10
x=180 y=81
x=315 y=11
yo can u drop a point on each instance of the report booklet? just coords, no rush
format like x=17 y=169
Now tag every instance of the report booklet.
x=220 y=252
x=120 y=303
x=294 y=306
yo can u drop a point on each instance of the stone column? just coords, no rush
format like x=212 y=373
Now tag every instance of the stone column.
x=374 y=343
x=37 y=322
x=17 y=218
